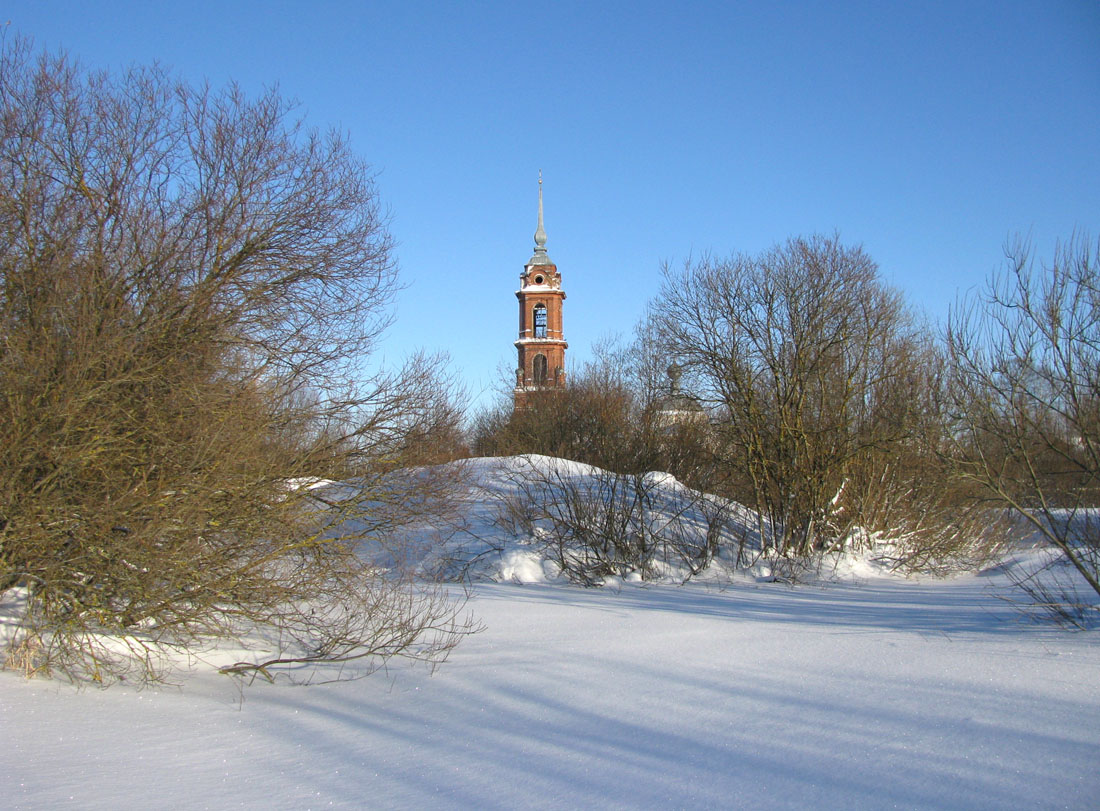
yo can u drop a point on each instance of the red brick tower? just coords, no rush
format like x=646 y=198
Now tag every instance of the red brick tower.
x=541 y=343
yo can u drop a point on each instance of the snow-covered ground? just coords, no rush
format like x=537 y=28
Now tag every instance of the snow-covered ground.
x=874 y=692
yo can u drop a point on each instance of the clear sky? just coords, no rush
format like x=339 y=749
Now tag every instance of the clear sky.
x=929 y=132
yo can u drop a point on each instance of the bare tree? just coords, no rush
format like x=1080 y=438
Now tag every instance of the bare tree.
x=804 y=357
x=1026 y=398
x=189 y=282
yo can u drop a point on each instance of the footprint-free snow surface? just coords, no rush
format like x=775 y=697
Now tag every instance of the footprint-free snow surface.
x=877 y=692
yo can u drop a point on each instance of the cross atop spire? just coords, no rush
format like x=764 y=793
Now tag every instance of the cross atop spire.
x=540 y=257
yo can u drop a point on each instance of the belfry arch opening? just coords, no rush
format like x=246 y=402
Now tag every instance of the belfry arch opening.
x=539 y=320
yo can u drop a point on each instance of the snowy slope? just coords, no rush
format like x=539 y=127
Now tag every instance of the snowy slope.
x=486 y=542
x=877 y=692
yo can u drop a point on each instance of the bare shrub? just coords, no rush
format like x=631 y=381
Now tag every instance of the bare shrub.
x=1025 y=398
x=595 y=524
x=1052 y=588
x=190 y=281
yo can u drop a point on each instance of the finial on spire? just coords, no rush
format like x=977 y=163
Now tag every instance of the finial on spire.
x=540 y=232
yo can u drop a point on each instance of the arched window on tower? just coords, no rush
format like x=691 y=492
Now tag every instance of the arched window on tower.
x=540 y=370
x=540 y=320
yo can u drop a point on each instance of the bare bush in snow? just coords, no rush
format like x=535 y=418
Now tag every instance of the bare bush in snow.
x=595 y=524
x=1025 y=393
x=190 y=281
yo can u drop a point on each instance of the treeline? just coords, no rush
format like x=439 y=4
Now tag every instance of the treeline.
x=801 y=385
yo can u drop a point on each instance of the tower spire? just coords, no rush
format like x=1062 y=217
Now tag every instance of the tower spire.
x=540 y=257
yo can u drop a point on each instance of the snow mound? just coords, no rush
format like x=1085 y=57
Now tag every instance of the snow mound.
x=523 y=566
x=535 y=519
x=525 y=518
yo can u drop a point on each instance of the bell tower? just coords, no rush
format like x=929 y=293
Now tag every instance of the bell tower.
x=541 y=343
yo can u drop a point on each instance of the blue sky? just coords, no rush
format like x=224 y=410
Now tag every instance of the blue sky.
x=928 y=132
